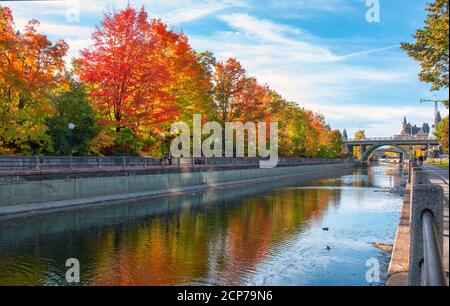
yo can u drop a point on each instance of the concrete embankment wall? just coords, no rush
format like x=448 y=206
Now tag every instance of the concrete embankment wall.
x=26 y=195
x=108 y=215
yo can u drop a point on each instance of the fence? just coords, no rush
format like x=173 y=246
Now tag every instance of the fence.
x=47 y=163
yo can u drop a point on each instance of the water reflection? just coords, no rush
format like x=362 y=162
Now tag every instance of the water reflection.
x=269 y=234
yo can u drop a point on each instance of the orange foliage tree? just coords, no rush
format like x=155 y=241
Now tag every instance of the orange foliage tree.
x=189 y=83
x=31 y=68
x=229 y=82
x=238 y=97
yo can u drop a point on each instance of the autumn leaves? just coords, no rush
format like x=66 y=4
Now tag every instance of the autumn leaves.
x=128 y=71
x=31 y=68
x=140 y=77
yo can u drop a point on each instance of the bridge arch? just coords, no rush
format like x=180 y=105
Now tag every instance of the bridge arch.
x=380 y=145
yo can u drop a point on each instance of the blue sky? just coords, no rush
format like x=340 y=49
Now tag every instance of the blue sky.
x=323 y=54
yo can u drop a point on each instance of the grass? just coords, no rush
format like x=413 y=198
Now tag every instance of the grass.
x=441 y=163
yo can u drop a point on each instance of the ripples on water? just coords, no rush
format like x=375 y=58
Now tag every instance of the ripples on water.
x=259 y=235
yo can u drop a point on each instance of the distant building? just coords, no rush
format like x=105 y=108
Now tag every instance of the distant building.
x=413 y=130
x=345 y=135
x=438 y=118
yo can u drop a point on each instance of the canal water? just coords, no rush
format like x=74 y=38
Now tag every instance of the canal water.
x=286 y=233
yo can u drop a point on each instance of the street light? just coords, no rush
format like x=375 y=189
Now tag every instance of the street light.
x=71 y=127
x=163 y=136
x=436 y=108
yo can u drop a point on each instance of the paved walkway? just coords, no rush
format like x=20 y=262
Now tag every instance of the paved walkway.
x=439 y=176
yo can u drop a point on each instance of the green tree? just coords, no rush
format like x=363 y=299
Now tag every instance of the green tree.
x=72 y=106
x=336 y=146
x=208 y=61
x=442 y=134
x=431 y=47
x=127 y=143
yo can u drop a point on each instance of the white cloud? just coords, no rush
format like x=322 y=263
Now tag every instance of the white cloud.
x=273 y=45
x=76 y=46
x=376 y=120
x=291 y=60
x=77 y=37
x=263 y=38
x=337 y=6
x=184 y=11
x=44 y=10
x=58 y=30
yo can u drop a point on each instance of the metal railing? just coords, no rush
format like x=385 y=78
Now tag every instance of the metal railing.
x=432 y=269
x=38 y=163
x=426 y=231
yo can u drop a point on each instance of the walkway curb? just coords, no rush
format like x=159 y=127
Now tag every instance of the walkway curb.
x=399 y=265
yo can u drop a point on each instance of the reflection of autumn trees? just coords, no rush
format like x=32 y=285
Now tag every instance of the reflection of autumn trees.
x=195 y=246
x=35 y=274
x=217 y=244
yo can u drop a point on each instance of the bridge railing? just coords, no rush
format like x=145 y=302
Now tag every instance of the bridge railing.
x=401 y=137
x=371 y=139
x=426 y=232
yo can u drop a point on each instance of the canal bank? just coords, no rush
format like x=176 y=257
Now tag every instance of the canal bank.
x=22 y=198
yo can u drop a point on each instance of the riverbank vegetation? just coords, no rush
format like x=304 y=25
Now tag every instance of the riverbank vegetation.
x=124 y=91
x=359 y=135
x=439 y=162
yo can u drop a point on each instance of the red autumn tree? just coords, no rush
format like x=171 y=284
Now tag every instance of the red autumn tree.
x=127 y=75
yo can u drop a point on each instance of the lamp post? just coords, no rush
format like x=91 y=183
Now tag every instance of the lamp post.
x=163 y=136
x=163 y=158
x=71 y=127
x=436 y=109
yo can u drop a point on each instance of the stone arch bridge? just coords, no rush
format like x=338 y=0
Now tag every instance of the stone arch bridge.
x=404 y=144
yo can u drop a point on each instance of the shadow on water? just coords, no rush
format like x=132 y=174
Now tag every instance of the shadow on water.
x=269 y=234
